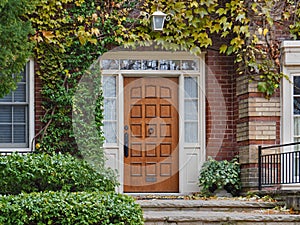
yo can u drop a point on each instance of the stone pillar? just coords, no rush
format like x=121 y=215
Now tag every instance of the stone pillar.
x=258 y=124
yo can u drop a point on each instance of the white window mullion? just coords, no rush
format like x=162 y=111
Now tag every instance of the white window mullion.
x=12 y=125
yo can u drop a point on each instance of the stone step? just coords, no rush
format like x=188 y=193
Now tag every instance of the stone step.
x=217 y=218
x=204 y=205
x=214 y=212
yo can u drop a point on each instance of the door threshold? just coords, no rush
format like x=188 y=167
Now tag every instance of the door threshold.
x=155 y=194
x=158 y=196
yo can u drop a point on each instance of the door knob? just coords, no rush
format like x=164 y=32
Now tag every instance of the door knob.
x=150 y=130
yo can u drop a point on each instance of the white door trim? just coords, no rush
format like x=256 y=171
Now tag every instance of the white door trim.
x=191 y=156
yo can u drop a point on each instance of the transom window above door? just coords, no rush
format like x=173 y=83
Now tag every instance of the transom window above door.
x=127 y=64
x=145 y=61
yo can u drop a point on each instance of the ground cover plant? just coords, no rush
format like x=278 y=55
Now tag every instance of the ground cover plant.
x=38 y=189
x=66 y=208
x=42 y=172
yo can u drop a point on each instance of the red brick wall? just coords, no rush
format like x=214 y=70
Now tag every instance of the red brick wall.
x=38 y=103
x=221 y=106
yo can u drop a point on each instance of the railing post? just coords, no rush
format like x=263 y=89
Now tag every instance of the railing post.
x=259 y=168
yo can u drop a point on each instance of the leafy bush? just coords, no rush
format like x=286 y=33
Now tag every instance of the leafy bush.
x=220 y=174
x=65 y=208
x=40 y=172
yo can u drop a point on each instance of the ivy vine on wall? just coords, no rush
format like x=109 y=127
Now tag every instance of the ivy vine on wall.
x=248 y=29
x=71 y=34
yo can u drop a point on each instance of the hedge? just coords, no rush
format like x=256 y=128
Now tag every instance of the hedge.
x=65 y=208
x=42 y=172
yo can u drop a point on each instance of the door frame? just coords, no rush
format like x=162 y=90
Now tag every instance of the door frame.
x=189 y=154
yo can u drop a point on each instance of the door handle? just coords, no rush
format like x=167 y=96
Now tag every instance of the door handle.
x=126 y=149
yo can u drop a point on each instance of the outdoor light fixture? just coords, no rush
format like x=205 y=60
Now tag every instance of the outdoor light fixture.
x=158 y=20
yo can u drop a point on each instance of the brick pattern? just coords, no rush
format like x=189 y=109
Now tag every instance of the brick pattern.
x=38 y=102
x=259 y=107
x=249 y=177
x=248 y=154
x=245 y=86
x=256 y=130
x=220 y=106
x=258 y=124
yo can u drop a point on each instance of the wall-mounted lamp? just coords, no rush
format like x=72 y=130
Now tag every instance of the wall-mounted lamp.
x=158 y=20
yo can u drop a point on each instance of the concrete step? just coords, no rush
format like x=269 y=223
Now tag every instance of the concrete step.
x=214 y=212
x=217 y=218
x=204 y=205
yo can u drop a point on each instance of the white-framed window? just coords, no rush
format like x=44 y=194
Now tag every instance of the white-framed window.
x=191 y=110
x=296 y=109
x=109 y=85
x=290 y=113
x=290 y=123
x=17 y=114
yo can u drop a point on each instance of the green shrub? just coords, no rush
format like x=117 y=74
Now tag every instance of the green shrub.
x=220 y=175
x=41 y=172
x=69 y=208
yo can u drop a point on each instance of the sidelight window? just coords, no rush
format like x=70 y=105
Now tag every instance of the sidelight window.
x=110 y=109
x=191 y=110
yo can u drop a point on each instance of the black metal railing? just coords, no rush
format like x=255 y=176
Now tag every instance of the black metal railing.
x=278 y=168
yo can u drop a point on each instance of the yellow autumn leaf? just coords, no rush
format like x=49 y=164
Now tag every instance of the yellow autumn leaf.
x=95 y=16
x=48 y=34
x=266 y=30
x=37 y=38
x=223 y=48
x=82 y=40
x=80 y=18
x=79 y=2
x=93 y=41
x=67 y=73
x=95 y=31
x=195 y=4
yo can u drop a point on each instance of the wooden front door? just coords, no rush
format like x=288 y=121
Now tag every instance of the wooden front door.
x=151 y=135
